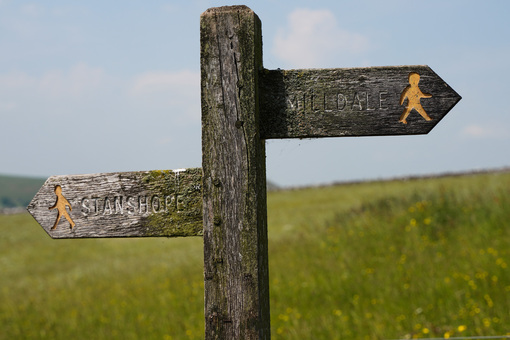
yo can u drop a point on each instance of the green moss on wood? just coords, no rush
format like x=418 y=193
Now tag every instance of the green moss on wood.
x=180 y=203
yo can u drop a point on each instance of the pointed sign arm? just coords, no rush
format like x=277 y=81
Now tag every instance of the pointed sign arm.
x=121 y=204
x=341 y=102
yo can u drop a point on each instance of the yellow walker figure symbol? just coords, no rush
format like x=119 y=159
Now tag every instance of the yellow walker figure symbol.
x=413 y=94
x=60 y=204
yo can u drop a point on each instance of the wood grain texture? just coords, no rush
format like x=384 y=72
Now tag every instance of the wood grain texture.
x=233 y=162
x=348 y=102
x=123 y=204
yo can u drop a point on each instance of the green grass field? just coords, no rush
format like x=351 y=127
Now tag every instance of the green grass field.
x=385 y=260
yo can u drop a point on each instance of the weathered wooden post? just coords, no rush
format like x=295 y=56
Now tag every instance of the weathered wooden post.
x=234 y=176
x=242 y=104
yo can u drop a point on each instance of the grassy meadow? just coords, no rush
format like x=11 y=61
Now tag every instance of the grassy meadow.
x=425 y=258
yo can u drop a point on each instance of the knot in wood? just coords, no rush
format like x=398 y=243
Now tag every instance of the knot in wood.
x=217 y=220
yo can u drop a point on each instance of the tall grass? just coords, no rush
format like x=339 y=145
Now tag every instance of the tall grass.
x=98 y=289
x=426 y=258
x=416 y=259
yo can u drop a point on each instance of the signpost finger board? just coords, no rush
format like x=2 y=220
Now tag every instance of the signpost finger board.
x=121 y=204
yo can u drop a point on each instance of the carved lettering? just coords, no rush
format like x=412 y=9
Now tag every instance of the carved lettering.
x=169 y=202
x=107 y=207
x=145 y=204
x=314 y=102
x=356 y=102
x=156 y=204
x=368 y=103
x=341 y=101
x=381 y=100
x=130 y=206
x=85 y=209
x=327 y=107
x=180 y=203
x=119 y=206
x=133 y=205
x=293 y=103
x=96 y=207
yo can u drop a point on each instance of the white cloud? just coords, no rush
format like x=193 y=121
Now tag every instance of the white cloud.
x=75 y=82
x=163 y=90
x=312 y=38
x=86 y=90
x=151 y=82
x=83 y=79
x=487 y=131
x=476 y=131
x=78 y=81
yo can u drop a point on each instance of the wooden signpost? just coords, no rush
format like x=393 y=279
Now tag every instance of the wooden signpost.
x=123 y=204
x=225 y=201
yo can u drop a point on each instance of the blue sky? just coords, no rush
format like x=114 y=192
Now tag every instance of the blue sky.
x=96 y=86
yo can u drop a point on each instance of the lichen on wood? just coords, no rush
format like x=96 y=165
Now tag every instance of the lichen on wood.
x=183 y=210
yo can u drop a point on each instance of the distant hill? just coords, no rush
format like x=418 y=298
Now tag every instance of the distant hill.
x=17 y=191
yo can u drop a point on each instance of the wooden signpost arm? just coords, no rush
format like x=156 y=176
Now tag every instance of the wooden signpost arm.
x=234 y=178
x=160 y=203
x=367 y=101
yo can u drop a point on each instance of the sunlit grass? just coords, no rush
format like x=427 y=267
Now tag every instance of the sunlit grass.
x=98 y=289
x=417 y=259
x=414 y=259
